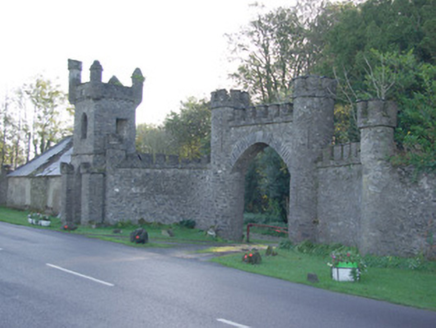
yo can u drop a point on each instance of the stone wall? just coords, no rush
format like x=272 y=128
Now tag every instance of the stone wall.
x=165 y=195
x=35 y=193
x=339 y=197
x=409 y=225
x=406 y=223
x=19 y=192
x=364 y=201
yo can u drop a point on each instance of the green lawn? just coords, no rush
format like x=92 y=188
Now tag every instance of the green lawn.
x=386 y=278
x=156 y=238
x=415 y=288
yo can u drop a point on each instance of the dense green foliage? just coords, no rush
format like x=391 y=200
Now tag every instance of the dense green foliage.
x=267 y=187
x=185 y=133
x=189 y=129
x=386 y=49
x=417 y=125
x=152 y=139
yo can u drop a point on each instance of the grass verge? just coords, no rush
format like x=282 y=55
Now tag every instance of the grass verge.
x=154 y=230
x=401 y=286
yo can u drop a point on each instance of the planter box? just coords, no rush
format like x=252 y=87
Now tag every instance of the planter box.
x=344 y=272
x=44 y=223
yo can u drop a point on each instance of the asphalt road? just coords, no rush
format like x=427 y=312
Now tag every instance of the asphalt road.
x=54 y=279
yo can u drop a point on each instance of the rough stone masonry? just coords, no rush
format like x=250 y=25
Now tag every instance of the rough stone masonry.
x=338 y=193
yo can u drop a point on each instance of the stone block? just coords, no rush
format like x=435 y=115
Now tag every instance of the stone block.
x=312 y=277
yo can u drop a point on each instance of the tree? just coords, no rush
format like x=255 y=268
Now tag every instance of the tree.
x=189 y=130
x=34 y=117
x=271 y=52
x=13 y=131
x=394 y=27
x=152 y=139
x=6 y=133
x=48 y=101
x=22 y=133
x=370 y=46
x=416 y=133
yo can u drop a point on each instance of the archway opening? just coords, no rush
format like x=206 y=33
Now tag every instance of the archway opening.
x=266 y=189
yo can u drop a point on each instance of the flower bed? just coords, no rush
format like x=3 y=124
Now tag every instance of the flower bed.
x=38 y=219
x=346 y=266
x=346 y=271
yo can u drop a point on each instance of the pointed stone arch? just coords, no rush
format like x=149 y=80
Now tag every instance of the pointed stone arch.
x=249 y=146
x=297 y=131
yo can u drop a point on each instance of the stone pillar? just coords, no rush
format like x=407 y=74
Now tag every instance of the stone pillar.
x=312 y=131
x=92 y=197
x=75 y=78
x=5 y=170
x=137 y=86
x=96 y=72
x=376 y=120
x=67 y=193
x=227 y=185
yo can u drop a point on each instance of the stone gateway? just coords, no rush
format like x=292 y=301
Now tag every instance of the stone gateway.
x=338 y=193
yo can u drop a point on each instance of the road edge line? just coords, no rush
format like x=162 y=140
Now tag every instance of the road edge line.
x=80 y=275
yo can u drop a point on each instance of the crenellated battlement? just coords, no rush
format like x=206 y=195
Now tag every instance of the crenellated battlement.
x=162 y=161
x=262 y=114
x=376 y=112
x=245 y=114
x=340 y=155
x=314 y=86
x=234 y=99
x=96 y=89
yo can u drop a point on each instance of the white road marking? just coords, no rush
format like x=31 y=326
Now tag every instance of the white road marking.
x=80 y=275
x=231 y=323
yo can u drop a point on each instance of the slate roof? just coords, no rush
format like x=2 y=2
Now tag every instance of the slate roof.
x=48 y=163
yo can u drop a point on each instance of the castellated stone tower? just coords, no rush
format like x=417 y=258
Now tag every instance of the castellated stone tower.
x=227 y=182
x=104 y=132
x=103 y=109
x=377 y=120
x=312 y=131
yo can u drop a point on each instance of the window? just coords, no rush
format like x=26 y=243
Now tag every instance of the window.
x=121 y=127
x=84 y=126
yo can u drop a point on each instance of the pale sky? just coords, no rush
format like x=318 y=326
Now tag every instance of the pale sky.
x=179 y=45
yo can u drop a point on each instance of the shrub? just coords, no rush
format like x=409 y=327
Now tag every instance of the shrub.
x=285 y=244
x=190 y=224
x=123 y=224
x=252 y=257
